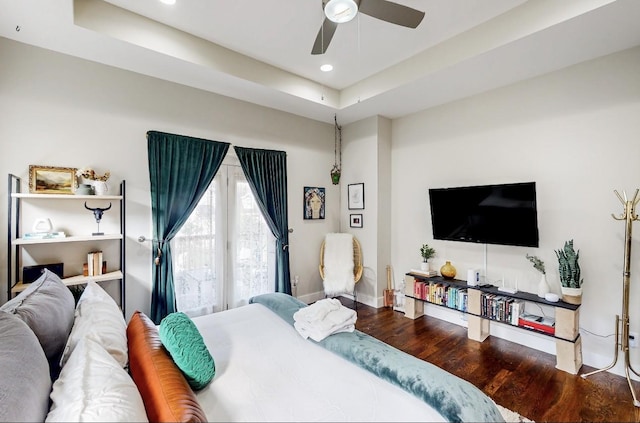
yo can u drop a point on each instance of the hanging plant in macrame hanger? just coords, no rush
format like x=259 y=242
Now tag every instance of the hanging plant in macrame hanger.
x=337 y=163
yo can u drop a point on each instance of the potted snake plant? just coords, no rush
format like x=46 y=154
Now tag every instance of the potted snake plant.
x=569 y=269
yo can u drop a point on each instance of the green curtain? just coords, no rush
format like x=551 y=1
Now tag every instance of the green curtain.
x=266 y=172
x=180 y=171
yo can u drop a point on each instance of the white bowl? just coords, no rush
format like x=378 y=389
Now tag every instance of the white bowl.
x=551 y=297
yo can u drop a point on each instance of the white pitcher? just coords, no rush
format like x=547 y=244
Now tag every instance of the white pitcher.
x=100 y=187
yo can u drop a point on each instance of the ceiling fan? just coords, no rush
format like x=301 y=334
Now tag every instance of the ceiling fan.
x=341 y=11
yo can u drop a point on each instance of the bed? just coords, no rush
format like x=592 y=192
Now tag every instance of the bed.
x=282 y=377
x=264 y=371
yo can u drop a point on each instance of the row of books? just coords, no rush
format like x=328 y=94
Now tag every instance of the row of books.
x=95 y=264
x=501 y=308
x=492 y=306
x=437 y=293
x=511 y=310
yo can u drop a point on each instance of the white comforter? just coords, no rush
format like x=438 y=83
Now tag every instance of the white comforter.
x=265 y=371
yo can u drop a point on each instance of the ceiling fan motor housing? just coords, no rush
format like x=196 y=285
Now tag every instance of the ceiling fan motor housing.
x=340 y=11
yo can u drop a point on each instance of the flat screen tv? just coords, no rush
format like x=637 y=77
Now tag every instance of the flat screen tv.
x=504 y=214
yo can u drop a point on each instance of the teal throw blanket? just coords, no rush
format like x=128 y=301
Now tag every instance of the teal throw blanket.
x=455 y=399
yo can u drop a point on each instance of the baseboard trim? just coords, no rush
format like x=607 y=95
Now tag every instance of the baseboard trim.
x=363 y=299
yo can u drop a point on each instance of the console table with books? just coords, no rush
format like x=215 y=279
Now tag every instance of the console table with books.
x=484 y=304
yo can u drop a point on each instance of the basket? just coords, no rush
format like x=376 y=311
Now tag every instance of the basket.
x=572 y=295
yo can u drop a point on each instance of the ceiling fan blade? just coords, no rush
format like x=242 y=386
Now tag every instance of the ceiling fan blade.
x=324 y=37
x=391 y=12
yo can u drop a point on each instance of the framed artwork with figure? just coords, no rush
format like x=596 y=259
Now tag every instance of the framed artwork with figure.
x=355 y=196
x=313 y=205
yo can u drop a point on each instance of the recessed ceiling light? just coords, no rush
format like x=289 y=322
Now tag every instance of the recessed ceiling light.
x=326 y=68
x=168 y=1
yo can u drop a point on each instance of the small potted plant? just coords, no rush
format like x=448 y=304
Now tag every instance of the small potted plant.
x=569 y=270
x=543 y=287
x=427 y=253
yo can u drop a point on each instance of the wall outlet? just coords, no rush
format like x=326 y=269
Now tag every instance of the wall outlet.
x=633 y=339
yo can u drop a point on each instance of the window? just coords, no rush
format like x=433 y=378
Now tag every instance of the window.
x=224 y=254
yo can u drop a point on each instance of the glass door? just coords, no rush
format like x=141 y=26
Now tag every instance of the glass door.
x=225 y=253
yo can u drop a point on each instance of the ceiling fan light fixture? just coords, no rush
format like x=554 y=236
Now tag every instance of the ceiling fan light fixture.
x=340 y=11
x=326 y=67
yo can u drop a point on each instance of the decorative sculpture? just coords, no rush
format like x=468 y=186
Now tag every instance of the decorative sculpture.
x=97 y=213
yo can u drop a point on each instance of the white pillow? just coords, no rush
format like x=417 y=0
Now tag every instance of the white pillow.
x=94 y=292
x=93 y=387
x=98 y=317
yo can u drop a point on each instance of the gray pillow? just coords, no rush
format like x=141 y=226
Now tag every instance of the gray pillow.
x=24 y=373
x=47 y=307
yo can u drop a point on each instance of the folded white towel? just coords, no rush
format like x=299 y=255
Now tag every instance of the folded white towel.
x=335 y=319
x=318 y=335
x=318 y=310
x=340 y=320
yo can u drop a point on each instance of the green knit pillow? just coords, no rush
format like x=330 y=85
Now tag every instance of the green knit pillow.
x=181 y=338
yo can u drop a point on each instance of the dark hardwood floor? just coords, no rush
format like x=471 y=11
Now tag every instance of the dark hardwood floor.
x=519 y=378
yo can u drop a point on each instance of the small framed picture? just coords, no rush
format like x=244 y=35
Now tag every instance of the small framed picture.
x=313 y=203
x=52 y=180
x=355 y=196
x=355 y=220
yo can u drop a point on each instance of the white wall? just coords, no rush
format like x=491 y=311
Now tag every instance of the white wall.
x=61 y=111
x=576 y=133
x=366 y=158
x=359 y=165
x=384 y=205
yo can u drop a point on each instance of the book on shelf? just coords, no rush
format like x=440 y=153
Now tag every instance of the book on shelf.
x=549 y=321
x=531 y=317
x=427 y=273
x=85 y=269
x=43 y=235
x=95 y=264
x=538 y=323
x=517 y=309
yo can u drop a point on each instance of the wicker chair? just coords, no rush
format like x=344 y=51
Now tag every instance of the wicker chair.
x=357 y=266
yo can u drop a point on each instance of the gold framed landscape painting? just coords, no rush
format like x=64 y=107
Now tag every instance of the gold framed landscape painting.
x=51 y=180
